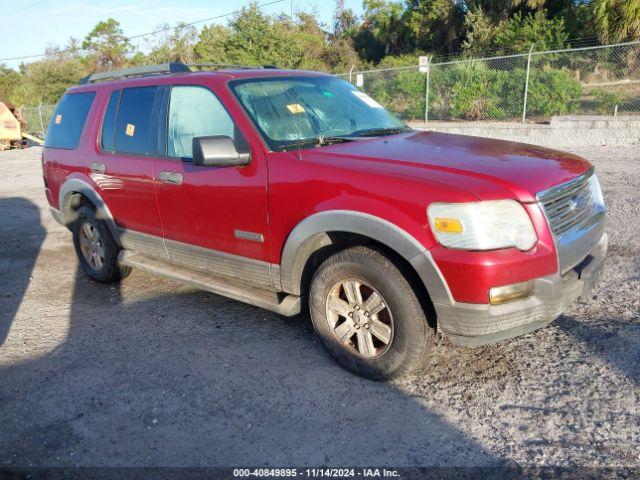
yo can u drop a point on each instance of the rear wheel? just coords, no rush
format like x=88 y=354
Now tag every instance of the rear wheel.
x=368 y=316
x=96 y=248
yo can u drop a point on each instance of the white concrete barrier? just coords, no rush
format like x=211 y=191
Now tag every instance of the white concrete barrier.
x=561 y=131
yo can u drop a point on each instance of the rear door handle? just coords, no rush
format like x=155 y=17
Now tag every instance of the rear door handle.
x=174 y=178
x=97 y=167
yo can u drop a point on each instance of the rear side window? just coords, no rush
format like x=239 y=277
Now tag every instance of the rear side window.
x=134 y=133
x=108 y=137
x=68 y=120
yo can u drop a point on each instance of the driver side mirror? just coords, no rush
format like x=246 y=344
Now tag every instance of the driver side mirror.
x=219 y=151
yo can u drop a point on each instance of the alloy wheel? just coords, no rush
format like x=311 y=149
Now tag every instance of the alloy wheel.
x=360 y=318
x=91 y=245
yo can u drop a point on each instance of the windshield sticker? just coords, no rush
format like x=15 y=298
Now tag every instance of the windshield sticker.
x=131 y=130
x=327 y=93
x=295 y=108
x=366 y=99
x=58 y=119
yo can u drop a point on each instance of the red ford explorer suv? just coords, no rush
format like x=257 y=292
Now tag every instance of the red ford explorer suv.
x=284 y=189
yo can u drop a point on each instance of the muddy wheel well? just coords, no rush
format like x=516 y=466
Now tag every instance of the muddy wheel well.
x=72 y=204
x=343 y=240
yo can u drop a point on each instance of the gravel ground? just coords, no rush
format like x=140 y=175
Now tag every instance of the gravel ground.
x=152 y=373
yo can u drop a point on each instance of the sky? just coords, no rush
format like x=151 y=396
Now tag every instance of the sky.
x=29 y=26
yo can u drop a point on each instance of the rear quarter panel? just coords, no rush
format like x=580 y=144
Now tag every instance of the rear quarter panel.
x=61 y=164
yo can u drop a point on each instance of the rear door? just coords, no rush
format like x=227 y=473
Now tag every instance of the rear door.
x=214 y=218
x=123 y=167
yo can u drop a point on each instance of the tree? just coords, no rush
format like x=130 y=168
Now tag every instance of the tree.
x=383 y=30
x=46 y=80
x=481 y=33
x=172 y=44
x=617 y=20
x=514 y=35
x=107 y=46
x=345 y=21
x=435 y=25
x=9 y=80
x=253 y=38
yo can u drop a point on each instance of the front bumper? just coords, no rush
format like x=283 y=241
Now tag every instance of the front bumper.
x=471 y=325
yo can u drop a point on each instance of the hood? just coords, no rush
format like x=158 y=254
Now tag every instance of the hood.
x=487 y=168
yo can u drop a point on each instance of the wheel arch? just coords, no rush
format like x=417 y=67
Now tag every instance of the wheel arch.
x=75 y=193
x=328 y=231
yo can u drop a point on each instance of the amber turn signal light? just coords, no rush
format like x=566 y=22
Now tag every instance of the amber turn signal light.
x=448 y=225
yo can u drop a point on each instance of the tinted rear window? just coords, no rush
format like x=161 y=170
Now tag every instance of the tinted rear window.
x=68 y=120
x=108 y=137
x=133 y=129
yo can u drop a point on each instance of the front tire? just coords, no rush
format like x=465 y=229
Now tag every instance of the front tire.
x=96 y=249
x=368 y=316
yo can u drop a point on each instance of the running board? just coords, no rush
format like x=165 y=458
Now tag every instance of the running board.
x=284 y=304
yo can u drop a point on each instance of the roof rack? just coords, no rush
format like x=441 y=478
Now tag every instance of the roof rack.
x=173 y=67
x=224 y=65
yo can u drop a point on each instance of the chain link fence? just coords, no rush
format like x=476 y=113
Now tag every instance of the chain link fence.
x=37 y=118
x=603 y=80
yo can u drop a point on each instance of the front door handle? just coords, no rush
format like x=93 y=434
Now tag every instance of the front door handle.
x=97 y=167
x=174 y=178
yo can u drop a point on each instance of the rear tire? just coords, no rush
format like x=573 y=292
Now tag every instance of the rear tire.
x=368 y=316
x=96 y=249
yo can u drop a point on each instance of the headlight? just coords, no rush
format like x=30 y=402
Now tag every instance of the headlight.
x=596 y=190
x=485 y=225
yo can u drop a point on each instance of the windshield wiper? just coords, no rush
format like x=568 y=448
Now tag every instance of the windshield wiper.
x=379 y=132
x=315 y=142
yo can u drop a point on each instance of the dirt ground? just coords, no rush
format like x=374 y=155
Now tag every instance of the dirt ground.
x=152 y=373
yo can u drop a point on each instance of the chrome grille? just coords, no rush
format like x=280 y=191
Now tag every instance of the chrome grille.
x=570 y=205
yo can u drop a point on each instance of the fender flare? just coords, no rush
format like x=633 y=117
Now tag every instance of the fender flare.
x=312 y=233
x=75 y=185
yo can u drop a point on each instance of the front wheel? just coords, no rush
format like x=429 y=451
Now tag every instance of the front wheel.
x=368 y=316
x=96 y=249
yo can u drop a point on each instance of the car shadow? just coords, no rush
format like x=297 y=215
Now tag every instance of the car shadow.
x=612 y=340
x=154 y=374
x=19 y=248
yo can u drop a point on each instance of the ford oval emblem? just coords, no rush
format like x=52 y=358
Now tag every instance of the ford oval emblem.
x=577 y=203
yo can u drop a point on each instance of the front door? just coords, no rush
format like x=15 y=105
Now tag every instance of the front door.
x=214 y=218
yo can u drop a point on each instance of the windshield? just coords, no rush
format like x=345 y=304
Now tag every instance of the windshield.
x=293 y=111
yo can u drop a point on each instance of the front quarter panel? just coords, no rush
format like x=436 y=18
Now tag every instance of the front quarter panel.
x=302 y=188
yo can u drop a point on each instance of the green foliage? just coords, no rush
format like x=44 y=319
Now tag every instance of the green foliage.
x=402 y=92
x=522 y=32
x=617 y=20
x=253 y=38
x=552 y=92
x=9 y=79
x=171 y=44
x=606 y=102
x=474 y=91
x=391 y=33
x=107 y=46
x=434 y=25
x=481 y=33
x=514 y=35
x=45 y=81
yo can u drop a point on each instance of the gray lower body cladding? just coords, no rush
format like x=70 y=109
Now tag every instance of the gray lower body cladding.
x=471 y=325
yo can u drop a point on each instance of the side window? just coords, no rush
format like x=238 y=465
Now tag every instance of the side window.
x=108 y=137
x=133 y=127
x=194 y=112
x=68 y=120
